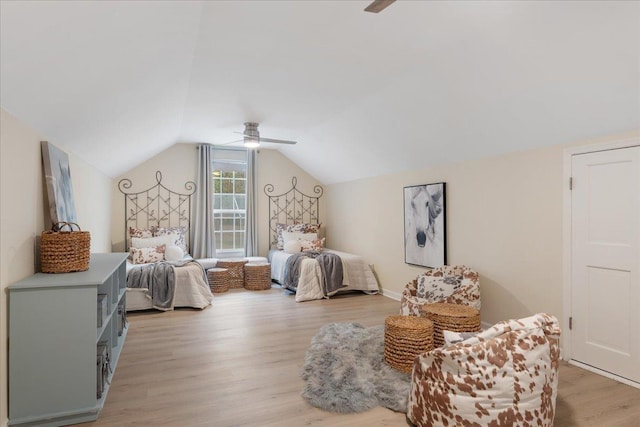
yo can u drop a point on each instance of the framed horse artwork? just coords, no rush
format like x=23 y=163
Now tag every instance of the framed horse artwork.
x=425 y=242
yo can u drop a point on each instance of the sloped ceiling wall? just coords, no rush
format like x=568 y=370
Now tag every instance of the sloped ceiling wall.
x=420 y=84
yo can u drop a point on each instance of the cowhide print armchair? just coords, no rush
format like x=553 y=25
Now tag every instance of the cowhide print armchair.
x=451 y=284
x=504 y=376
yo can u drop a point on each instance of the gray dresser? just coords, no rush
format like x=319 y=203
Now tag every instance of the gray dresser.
x=57 y=323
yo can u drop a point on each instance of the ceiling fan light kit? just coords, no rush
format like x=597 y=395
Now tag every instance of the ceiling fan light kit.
x=251 y=135
x=250 y=142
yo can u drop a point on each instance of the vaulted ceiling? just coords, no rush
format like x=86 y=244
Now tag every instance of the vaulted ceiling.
x=421 y=83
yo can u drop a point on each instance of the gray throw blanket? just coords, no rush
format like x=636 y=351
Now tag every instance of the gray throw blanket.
x=292 y=271
x=330 y=266
x=159 y=279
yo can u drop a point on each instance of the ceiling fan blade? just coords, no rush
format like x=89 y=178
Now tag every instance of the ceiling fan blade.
x=233 y=142
x=278 y=141
x=378 y=5
x=251 y=131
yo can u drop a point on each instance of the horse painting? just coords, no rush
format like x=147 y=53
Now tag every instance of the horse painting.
x=425 y=225
x=58 y=179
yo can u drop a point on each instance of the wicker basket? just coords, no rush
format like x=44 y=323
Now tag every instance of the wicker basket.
x=451 y=317
x=236 y=271
x=257 y=276
x=65 y=251
x=405 y=337
x=218 y=279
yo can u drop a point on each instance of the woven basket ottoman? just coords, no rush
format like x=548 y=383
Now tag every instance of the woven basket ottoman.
x=405 y=337
x=451 y=317
x=218 y=279
x=257 y=276
x=236 y=271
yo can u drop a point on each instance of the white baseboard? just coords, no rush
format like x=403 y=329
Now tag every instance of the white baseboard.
x=604 y=373
x=391 y=294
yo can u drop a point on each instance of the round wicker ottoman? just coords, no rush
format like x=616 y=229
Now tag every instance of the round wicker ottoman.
x=405 y=337
x=451 y=317
x=236 y=271
x=257 y=276
x=218 y=279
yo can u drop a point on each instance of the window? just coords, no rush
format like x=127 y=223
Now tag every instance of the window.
x=229 y=203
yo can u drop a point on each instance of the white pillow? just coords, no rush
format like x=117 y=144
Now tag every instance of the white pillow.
x=149 y=242
x=292 y=247
x=173 y=253
x=291 y=235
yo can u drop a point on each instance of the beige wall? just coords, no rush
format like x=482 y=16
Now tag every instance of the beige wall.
x=504 y=219
x=22 y=214
x=92 y=196
x=178 y=165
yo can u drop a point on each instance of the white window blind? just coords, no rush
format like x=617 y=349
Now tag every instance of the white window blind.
x=229 y=201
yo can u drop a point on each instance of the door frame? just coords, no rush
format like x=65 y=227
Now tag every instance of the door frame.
x=566 y=245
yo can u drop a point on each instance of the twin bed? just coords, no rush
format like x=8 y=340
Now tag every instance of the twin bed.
x=161 y=216
x=297 y=214
x=151 y=214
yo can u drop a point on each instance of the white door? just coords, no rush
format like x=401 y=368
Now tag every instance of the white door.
x=605 y=217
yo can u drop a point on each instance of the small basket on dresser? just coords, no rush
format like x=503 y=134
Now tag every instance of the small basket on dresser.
x=257 y=276
x=64 y=251
x=218 y=279
x=235 y=268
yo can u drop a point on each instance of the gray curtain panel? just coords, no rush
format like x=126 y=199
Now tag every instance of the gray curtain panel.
x=251 y=232
x=202 y=238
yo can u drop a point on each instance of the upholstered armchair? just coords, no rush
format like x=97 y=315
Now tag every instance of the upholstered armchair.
x=506 y=375
x=451 y=284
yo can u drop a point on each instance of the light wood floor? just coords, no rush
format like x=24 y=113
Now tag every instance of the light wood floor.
x=237 y=363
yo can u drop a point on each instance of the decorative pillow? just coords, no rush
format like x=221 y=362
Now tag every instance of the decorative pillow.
x=437 y=287
x=451 y=337
x=292 y=247
x=280 y=228
x=312 y=228
x=312 y=245
x=180 y=231
x=140 y=232
x=146 y=255
x=173 y=253
x=150 y=242
x=290 y=235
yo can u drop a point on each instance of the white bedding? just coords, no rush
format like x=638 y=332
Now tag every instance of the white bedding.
x=191 y=291
x=357 y=275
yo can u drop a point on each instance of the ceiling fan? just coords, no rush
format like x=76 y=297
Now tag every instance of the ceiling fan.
x=378 y=5
x=252 y=139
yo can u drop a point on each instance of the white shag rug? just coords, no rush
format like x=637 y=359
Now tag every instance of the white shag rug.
x=344 y=371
